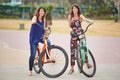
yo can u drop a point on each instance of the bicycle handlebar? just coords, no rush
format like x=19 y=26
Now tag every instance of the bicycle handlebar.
x=87 y=27
x=81 y=31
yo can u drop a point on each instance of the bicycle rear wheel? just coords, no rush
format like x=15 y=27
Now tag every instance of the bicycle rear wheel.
x=60 y=64
x=89 y=72
x=35 y=64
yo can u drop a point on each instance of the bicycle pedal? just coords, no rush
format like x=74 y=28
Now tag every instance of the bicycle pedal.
x=50 y=61
x=80 y=71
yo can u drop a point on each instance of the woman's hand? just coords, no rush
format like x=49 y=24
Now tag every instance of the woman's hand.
x=34 y=19
x=87 y=20
x=91 y=21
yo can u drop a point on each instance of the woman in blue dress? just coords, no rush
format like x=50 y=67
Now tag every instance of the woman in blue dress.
x=36 y=34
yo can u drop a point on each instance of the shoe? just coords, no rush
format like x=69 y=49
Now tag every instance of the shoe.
x=71 y=71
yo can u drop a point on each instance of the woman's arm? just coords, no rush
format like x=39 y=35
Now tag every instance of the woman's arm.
x=69 y=22
x=34 y=19
x=85 y=19
x=45 y=22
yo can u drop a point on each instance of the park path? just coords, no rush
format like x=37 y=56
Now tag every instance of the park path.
x=14 y=53
x=105 y=49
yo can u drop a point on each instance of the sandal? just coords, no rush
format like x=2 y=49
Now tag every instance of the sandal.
x=30 y=73
x=71 y=71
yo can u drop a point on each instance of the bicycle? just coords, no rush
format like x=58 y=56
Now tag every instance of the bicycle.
x=83 y=53
x=52 y=60
x=40 y=48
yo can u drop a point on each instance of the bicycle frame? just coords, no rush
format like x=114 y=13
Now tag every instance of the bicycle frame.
x=50 y=54
x=84 y=55
x=83 y=45
x=45 y=45
x=54 y=55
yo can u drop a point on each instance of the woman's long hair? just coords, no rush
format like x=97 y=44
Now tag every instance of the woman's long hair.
x=38 y=10
x=79 y=11
x=43 y=17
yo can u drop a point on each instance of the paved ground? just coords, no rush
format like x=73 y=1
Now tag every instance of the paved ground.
x=14 y=53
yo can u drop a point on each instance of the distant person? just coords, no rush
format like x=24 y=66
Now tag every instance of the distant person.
x=36 y=34
x=74 y=21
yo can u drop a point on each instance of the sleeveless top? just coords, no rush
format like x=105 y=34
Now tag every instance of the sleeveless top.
x=76 y=25
x=36 y=32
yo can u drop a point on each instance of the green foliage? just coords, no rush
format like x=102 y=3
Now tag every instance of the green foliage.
x=47 y=6
x=89 y=8
x=26 y=5
x=91 y=11
x=98 y=8
x=1 y=1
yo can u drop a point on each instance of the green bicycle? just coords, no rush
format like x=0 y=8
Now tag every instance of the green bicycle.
x=83 y=54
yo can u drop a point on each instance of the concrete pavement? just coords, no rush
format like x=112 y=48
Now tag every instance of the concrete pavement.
x=19 y=72
x=14 y=53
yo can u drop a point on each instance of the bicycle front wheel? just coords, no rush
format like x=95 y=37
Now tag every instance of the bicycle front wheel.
x=60 y=64
x=89 y=72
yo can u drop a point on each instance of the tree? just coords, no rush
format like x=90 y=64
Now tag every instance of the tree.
x=71 y=1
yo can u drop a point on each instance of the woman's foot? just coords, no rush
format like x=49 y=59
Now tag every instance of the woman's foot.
x=30 y=73
x=71 y=71
x=89 y=65
x=50 y=61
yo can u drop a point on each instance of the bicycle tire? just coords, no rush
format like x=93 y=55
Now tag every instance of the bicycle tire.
x=54 y=70
x=81 y=65
x=36 y=66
